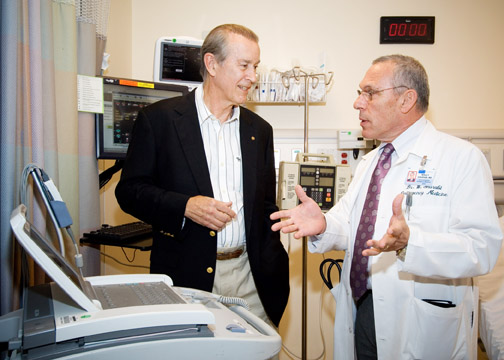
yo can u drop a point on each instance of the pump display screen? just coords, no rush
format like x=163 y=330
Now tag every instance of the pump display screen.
x=307 y=181
x=326 y=181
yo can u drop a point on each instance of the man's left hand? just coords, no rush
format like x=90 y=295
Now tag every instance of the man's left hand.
x=397 y=234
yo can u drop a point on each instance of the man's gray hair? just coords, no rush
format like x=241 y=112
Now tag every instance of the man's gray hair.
x=409 y=72
x=216 y=42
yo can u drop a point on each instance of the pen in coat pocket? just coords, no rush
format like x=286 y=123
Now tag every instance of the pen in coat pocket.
x=409 y=203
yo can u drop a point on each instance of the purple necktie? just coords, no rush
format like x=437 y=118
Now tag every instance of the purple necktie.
x=365 y=231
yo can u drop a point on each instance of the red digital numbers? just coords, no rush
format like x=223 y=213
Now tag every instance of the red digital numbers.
x=407 y=29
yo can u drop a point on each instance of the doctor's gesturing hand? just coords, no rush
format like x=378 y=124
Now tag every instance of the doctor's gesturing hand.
x=209 y=212
x=397 y=235
x=306 y=219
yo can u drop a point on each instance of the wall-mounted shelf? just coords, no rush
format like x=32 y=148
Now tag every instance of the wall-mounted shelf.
x=295 y=86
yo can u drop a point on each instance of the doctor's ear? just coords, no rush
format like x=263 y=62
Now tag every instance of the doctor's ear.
x=210 y=63
x=408 y=100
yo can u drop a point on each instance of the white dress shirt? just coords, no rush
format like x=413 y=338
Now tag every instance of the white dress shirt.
x=223 y=153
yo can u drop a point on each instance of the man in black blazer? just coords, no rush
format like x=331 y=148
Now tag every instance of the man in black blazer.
x=200 y=169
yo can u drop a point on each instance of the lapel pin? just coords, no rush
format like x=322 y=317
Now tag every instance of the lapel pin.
x=253 y=138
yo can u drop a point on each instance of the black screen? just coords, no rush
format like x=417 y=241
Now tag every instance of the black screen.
x=122 y=100
x=180 y=62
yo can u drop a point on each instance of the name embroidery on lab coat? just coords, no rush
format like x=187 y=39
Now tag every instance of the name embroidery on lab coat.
x=421 y=190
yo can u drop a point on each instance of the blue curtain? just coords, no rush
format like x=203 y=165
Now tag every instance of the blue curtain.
x=8 y=81
x=44 y=45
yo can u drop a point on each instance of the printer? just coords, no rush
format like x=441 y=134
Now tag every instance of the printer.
x=108 y=317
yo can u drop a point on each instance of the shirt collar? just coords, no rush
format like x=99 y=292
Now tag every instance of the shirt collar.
x=405 y=142
x=203 y=111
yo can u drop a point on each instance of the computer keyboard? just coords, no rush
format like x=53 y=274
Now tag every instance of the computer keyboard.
x=121 y=233
x=134 y=294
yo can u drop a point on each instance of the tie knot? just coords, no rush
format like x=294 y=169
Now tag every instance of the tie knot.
x=386 y=152
x=383 y=164
x=388 y=149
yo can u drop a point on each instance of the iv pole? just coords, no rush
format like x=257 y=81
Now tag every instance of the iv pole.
x=297 y=74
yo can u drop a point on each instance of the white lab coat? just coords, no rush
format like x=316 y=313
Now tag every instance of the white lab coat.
x=454 y=235
x=491 y=319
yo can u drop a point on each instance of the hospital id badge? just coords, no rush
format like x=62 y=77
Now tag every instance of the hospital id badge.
x=421 y=177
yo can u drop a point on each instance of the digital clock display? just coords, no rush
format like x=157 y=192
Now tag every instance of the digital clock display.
x=407 y=30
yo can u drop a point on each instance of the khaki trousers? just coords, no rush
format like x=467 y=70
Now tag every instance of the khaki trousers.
x=234 y=278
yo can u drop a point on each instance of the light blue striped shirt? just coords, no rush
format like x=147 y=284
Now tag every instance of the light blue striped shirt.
x=223 y=153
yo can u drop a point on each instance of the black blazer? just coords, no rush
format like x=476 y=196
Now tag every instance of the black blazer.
x=166 y=165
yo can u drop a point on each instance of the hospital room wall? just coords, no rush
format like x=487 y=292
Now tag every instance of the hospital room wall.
x=464 y=66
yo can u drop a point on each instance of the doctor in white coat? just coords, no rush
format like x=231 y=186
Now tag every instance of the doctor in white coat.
x=436 y=228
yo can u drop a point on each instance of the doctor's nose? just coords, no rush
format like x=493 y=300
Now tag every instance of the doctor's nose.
x=360 y=102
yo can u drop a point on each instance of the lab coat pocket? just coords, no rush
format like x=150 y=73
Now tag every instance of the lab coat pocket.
x=434 y=331
x=434 y=217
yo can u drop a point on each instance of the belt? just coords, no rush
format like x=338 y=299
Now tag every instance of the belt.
x=230 y=254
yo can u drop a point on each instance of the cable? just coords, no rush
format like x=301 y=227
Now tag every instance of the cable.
x=326 y=274
x=25 y=269
x=229 y=300
x=126 y=255
x=55 y=206
x=79 y=261
x=107 y=174
x=124 y=264
x=226 y=300
x=24 y=184
x=42 y=182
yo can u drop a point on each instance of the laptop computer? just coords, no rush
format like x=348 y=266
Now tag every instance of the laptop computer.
x=149 y=290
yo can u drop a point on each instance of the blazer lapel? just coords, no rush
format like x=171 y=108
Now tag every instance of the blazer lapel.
x=189 y=132
x=249 y=143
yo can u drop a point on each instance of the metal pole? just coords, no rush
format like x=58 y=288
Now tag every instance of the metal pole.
x=307 y=94
x=305 y=239
x=304 y=298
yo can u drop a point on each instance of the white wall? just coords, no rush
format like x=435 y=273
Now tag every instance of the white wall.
x=464 y=67
x=464 y=64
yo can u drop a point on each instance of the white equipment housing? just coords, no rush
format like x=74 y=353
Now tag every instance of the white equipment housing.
x=61 y=320
x=177 y=60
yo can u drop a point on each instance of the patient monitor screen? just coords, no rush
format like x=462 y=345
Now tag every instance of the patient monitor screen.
x=122 y=100
x=180 y=62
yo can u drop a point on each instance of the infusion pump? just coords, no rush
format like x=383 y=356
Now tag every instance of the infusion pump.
x=321 y=179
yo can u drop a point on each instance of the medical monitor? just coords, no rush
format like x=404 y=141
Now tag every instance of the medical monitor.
x=177 y=60
x=122 y=100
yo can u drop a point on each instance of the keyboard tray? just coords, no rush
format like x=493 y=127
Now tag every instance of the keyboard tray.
x=121 y=233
